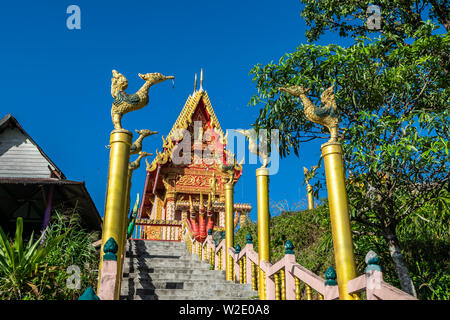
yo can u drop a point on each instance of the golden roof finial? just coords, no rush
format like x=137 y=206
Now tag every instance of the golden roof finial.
x=201 y=201
x=201 y=79
x=195 y=83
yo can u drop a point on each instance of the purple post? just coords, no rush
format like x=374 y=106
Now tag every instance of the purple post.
x=48 y=209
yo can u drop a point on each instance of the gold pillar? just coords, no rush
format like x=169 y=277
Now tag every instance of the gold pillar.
x=339 y=216
x=262 y=183
x=123 y=234
x=229 y=229
x=120 y=143
x=309 y=190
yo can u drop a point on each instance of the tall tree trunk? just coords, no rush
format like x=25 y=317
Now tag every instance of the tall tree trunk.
x=400 y=266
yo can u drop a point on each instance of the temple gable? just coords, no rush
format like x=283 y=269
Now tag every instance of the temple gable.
x=184 y=185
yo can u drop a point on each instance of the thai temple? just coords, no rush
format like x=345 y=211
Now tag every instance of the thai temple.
x=185 y=182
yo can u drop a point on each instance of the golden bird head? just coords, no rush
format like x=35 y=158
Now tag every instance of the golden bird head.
x=145 y=132
x=244 y=132
x=295 y=90
x=145 y=154
x=155 y=78
x=327 y=93
x=118 y=83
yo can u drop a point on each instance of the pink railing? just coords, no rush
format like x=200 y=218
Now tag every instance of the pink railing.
x=288 y=280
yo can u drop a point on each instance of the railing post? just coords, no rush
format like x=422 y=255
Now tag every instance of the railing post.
x=108 y=279
x=223 y=256
x=374 y=276
x=89 y=294
x=210 y=248
x=290 y=279
x=216 y=260
x=269 y=292
x=237 y=267
x=249 y=263
x=330 y=283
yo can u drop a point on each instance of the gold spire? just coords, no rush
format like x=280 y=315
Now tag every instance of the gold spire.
x=195 y=83
x=201 y=79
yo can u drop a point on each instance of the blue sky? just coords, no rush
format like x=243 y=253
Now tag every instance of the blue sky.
x=56 y=81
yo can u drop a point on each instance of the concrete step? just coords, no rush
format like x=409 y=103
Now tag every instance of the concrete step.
x=169 y=251
x=146 y=256
x=160 y=270
x=153 y=260
x=186 y=297
x=169 y=268
x=161 y=253
x=212 y=284
x=174 y=277
x=155 y=244
x=191 y=293
x=166 y=265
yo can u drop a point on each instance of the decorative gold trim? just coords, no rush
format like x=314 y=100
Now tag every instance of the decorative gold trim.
x=182 y=122
x=159 y=222
x=241 y=207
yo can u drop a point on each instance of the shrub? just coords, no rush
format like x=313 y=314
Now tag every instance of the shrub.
x=66 y=244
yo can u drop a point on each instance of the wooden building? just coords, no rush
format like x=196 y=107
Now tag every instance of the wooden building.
x=31 y=184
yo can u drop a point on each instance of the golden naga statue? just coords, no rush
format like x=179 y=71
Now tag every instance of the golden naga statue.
x=254 y=148
x=123 y=102
x=212 y=185
x=136 y=147
x=325 y=115
x=137 y=163
x=309 y=174
x=229 y=169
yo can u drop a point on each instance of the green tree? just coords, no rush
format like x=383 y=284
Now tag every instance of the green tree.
x=349 y=17
x=393 y=102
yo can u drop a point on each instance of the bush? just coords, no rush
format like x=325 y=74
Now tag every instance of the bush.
x=308 y=230
x=53 y=279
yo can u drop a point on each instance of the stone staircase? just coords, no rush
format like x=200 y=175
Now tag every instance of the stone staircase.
x=164 y=270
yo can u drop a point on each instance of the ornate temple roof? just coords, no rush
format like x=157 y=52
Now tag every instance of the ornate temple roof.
x=183 y=121
x=165 y=178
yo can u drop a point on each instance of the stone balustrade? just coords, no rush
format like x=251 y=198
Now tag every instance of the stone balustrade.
x=288 y=280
